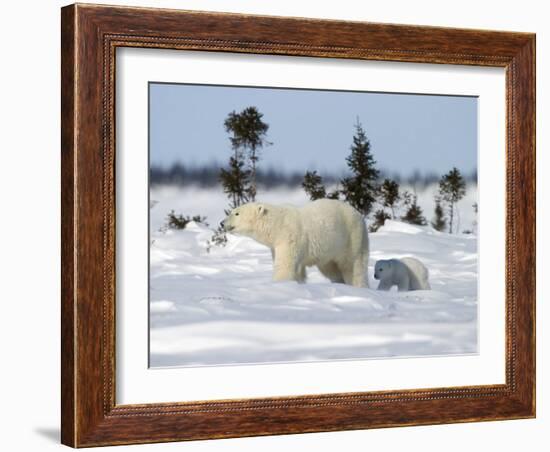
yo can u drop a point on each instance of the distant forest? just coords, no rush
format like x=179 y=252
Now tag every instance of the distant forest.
x=209 y=176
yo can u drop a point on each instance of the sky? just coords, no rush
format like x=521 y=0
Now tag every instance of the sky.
x=313 y=129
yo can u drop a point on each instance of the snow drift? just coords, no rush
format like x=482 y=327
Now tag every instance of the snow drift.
x=220 y=306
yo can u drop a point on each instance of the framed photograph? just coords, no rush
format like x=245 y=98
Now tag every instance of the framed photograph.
x=281 y=225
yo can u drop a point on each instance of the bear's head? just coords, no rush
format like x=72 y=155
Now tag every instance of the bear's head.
x=380 y=268
x=247 y=219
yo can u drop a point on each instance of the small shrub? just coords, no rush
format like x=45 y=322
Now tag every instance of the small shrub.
x=380 y=218
x=175 y=221
x=389 y=192
x=414 y=214
x=313 y=185
x=219 y=238
x=335 y=194
x=439 y=222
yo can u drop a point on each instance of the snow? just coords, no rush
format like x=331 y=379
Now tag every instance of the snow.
x=220 y=306
x=212 y=202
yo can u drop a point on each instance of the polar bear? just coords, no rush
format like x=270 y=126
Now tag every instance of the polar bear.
x=407 y=273
x=327 y=233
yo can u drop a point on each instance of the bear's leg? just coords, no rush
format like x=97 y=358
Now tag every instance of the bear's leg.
x=384 y=285
x=347 y=273
x=359 y=277
x=355 y=274
x=404 y=284
x=302 y=275
x=332 y=272
x=285 y=266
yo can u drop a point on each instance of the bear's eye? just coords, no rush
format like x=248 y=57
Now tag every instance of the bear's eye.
x=237 y=214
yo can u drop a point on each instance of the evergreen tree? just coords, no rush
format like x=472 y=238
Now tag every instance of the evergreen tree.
x=360 y=189
x=313 y=185
x=178 y=221
x=219 y=238
x=439 y=222
x=414 y=214
x=452 y=189
x=407 y=198
x=235 y=181
x=380 y=218
x=389 y=192
x=248 y=134
x=335 y=194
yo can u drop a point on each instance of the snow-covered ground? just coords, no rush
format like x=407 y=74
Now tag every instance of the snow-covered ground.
x=221 y=306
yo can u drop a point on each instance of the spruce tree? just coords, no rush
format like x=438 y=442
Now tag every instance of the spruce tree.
x=452 y=189
x=361 y=188
x=439 y=222
x=414 y=214
x=313 y=185
x=248 y=134
x=235 y=181
x=219 y=238
x=389 y=192
x=407 y=198
x=380 y=218
x=178 y=221
x=335 y=194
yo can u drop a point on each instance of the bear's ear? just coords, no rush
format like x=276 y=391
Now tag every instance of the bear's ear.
x=261 y=209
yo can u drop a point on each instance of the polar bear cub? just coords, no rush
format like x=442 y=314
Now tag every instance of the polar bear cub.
x=407 y=273
x=326 y=233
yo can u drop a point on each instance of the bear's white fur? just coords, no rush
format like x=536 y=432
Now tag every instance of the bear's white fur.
x=407 y=273
x=327 y=233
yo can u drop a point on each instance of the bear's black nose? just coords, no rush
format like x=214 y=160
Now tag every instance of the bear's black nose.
x=221 y=224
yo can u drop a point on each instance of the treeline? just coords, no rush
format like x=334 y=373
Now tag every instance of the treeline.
x=207 y=176
x=380 y=200
x=376 y=195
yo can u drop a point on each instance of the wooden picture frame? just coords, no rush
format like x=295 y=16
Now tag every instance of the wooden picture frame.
x=90 y=35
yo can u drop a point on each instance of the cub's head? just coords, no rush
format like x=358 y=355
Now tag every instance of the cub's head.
x=245 y=219
x=381 y=268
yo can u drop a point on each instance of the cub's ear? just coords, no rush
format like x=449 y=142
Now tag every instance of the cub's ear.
x=262 y=209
